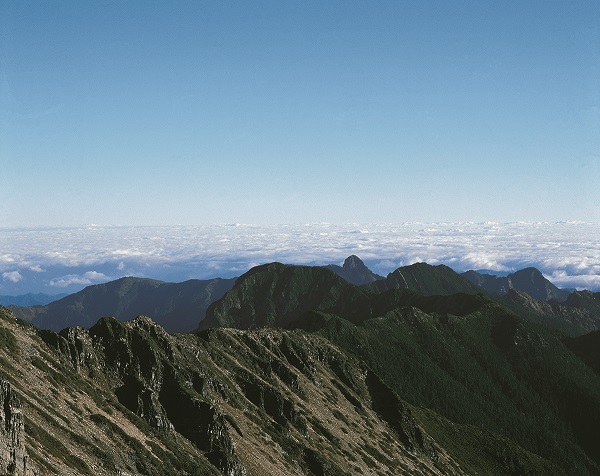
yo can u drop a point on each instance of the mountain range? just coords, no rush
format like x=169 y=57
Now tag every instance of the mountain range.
x=529 y=280
x=297 y=370
x=180 y=307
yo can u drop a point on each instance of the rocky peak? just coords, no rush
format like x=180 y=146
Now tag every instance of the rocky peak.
x=353 y=262
x=354 y=271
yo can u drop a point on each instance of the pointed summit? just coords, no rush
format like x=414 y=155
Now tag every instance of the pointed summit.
x=354 y=271
x=353 y=262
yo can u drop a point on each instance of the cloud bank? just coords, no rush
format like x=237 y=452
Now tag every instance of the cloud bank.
x=67 y=259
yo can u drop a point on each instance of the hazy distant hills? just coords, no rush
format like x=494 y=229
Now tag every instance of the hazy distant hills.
x=29 y=299
x=177 y=307
x=528 y=280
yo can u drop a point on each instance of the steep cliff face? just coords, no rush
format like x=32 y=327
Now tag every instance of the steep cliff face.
x=13 y=457
x=70 y=421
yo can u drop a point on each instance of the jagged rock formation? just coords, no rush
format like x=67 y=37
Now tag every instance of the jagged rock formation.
x=584 y=300
x=128 y=398
x=490 y=283
x=529 y=280
x=178 y=307
x=354 y=271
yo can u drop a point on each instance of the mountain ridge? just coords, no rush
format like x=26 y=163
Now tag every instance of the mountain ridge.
x=178 y=307
x=426 y=279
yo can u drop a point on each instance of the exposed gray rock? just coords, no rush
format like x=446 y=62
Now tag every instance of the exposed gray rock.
x=13 y=457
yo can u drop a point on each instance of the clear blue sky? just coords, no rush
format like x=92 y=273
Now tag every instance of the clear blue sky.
x=123 y=112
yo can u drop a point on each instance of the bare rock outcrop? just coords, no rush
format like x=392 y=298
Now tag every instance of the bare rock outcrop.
x=13 y=457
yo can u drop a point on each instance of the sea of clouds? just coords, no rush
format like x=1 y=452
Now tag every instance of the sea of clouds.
x=65 y=260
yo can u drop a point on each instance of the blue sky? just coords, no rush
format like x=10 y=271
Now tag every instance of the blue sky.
x=160 y=113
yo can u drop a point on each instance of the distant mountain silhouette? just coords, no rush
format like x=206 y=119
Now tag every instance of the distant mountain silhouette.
x=354 y=271
x=177 y=307
x=427 y=280
x=30 y=299
x=528 y=280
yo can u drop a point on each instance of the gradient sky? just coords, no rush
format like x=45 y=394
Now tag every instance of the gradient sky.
x=158 y=113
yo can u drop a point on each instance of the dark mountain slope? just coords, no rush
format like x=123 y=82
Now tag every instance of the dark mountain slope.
x=488 y=369
x=427 y=280
x=354 y=271
x=178 y=307
x=570 y=317
x=277 y=294
x=128 y=398
x=529 y=280
x=587 y=347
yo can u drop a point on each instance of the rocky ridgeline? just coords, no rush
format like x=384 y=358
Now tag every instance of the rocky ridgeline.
x=246 y=399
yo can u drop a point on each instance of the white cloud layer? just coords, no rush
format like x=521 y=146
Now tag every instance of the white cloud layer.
x=567 y=252
x=12 y=276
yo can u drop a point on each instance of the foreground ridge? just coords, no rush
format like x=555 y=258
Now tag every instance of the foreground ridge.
x=129 y=397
